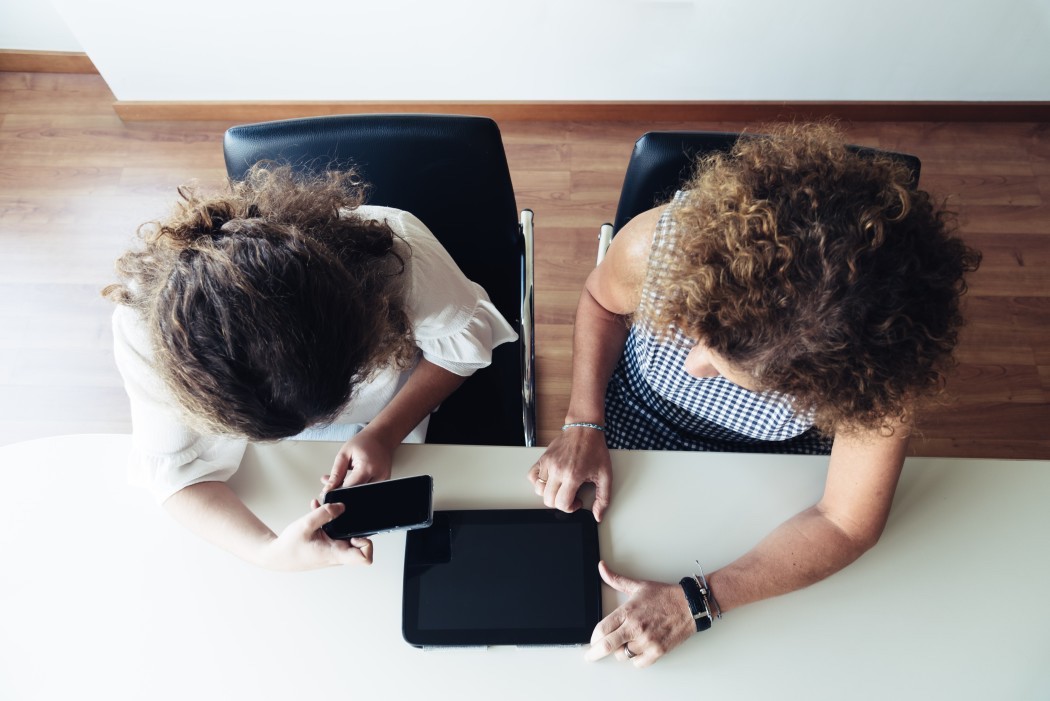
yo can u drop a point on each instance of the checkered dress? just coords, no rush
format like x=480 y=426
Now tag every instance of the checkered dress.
x=653 y=403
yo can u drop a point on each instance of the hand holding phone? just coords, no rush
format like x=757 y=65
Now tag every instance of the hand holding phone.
x=302 y=545
x=378 y=507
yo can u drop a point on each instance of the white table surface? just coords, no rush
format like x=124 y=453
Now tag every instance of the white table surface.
x=103 y=596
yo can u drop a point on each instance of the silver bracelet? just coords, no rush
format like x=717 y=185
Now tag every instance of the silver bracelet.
x=709 y=596
x=584 y=424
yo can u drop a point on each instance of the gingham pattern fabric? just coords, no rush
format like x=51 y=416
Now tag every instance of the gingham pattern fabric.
x=652 y=403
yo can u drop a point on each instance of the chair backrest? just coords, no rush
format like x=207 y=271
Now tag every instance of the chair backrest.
x=451 y=172
x=663 y=160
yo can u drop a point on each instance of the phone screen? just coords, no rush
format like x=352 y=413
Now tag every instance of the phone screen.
x=382 y=506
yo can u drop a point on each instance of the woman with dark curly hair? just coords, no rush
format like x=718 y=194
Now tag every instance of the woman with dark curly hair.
x=796 y=297
x=286 y=307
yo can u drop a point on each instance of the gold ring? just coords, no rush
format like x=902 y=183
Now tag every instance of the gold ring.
x=627 y=651
x=541 y=480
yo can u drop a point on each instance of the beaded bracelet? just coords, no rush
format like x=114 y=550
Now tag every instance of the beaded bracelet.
x=584 y=424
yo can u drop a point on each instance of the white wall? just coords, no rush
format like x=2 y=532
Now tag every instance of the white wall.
x=34 y=25
x=566 y=49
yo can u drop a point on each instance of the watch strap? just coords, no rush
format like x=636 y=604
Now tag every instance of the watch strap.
x=696 y=597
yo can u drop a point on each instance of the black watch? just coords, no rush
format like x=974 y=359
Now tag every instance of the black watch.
x=697 y=599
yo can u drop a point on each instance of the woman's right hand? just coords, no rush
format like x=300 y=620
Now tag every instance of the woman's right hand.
x=578 y=456
x=304 y=546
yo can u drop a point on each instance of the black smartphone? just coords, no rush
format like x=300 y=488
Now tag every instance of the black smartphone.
x=378 y=507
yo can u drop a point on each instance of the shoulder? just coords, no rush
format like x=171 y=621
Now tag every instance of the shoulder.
x=617 y=281
x=415 y=243
x=130 y=334
x=404 y=224
x=636 y=237
x=134 y=354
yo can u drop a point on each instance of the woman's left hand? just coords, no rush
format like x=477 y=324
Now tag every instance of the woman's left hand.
x=652 y=622
x=363 y=458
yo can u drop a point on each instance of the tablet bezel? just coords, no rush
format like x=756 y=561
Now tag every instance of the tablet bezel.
x=473 y=637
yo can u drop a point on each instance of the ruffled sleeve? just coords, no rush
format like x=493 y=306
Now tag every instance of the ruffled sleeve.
x=166 y=455
x=456 y=325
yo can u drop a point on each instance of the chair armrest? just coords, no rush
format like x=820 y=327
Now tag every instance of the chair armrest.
x=604 y=239
x=528 y=339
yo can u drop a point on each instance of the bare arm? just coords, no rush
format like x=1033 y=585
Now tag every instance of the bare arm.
x=612 y=291
x=814 y=544
x=846 y=522
x=368 y=456
x=428 y=386
x=213 y=511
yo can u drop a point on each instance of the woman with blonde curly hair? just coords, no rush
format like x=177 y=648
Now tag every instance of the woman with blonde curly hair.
x=797 y=297
x=286 y=307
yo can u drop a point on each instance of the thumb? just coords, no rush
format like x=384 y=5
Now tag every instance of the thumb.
x=322 y=515
x=340 y=466
x=617 y=581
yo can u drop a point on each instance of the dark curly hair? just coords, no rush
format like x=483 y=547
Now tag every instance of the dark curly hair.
x=823 y=273
x=269 y=303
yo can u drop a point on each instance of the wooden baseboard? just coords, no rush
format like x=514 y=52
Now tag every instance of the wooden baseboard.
x=18 y=61
x=590 y=111
x=601 y=111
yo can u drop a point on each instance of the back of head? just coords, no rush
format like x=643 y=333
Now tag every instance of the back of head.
x=269 y=303
x=823 y=272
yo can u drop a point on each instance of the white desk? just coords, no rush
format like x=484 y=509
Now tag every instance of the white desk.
x=103 y=596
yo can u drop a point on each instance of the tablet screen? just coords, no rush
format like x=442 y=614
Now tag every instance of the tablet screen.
x=502 y=577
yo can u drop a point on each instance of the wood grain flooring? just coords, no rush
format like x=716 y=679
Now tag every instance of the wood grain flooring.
x=75 y=182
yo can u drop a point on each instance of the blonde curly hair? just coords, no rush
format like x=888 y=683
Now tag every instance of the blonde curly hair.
x=267 y=304
x=822 y=272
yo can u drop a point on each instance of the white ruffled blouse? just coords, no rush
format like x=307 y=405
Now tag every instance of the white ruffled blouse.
x=455 y=327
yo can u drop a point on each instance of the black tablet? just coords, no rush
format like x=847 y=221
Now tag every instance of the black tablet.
x=502 y=577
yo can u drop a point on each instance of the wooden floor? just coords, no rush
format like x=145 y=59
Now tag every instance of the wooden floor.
x=75 y=182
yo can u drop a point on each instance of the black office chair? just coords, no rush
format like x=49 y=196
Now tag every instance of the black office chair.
x=663 y=160
x=451 y=172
